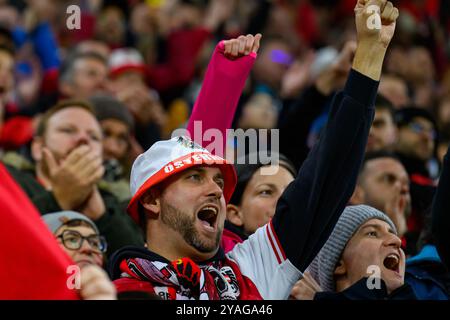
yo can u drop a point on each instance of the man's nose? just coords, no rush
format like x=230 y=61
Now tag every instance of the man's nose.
x=86 y=247
x=393 y=240
x=213 y=189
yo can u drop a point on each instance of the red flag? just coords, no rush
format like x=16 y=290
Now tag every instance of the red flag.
x=32 y=265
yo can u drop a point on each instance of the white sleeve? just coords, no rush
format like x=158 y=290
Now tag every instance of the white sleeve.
x=261 y=259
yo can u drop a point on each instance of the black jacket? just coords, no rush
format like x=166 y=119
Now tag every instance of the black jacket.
x=310 y=206
x=360 y=291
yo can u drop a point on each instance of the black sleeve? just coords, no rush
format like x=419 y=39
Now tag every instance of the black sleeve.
x=311 y=205
x=117 y=226
x=440 y=223
x=295 y=121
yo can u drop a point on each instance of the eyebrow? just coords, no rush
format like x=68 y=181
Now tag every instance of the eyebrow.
x=378 y=227
x=203 y=170
x=268 y=184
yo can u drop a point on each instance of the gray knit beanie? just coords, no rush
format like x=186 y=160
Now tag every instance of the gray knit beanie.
x=323 y=266
x=56 y=220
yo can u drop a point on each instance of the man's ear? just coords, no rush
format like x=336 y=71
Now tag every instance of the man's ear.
x=234 y=215
x=358 y=196
x=36 y=148
x=340 y=269
x=151 y=201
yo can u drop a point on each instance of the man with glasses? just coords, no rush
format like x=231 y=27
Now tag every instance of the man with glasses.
x=78 y=236
x=417 y=133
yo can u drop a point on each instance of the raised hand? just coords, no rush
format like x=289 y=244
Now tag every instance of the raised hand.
x=334 y=77
x=242 y=46
x=375 y=26
x=375 y=20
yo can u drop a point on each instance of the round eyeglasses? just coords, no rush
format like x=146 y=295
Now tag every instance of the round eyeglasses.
x=73 y=240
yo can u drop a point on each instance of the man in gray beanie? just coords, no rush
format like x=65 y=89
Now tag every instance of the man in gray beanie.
x=362 y=254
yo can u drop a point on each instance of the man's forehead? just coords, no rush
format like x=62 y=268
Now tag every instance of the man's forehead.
x=83 y=229
x=376 y=223
x=382 y=113
x=67 y=115
x=385 y=163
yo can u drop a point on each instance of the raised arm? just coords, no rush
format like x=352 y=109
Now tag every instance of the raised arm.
x=311 y=205
x=222 y=86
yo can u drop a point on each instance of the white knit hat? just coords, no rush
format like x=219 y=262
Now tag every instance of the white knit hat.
x=168 y=157
x=323 y=266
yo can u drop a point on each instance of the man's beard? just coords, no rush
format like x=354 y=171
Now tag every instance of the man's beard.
x=182 y=223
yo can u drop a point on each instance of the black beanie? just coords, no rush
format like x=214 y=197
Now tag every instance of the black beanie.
x=404 y=116
x=107 y=107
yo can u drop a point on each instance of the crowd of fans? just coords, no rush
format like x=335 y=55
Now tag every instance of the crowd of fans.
x=86 y=122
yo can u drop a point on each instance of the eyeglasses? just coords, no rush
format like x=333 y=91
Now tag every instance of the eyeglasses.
x=420 y=128
x=73 y=240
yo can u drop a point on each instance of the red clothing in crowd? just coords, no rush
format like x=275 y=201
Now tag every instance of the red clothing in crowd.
x=32 y=265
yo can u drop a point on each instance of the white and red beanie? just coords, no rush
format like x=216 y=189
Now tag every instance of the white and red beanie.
x=125 y=60
x=168 y=157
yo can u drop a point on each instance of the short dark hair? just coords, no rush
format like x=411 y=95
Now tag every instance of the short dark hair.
x=67 y=67
x=381 y=103
x=63 y=104
x=373 y=155
x=245 y=172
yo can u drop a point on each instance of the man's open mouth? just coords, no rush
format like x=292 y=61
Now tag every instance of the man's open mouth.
x=392 y=262
x=208 y=215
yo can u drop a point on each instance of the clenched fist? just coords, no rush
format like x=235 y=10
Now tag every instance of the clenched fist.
x=375 y=26
x=242 y=46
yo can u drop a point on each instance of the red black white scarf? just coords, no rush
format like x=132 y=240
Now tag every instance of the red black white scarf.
x=183 y=279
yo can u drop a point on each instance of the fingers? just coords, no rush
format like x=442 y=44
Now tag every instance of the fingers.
x=389 y=13
x=394 y=15
x=301 y=291
x=386 y=13
x=256 y=43
x=312 y=282
x=76 y=154
x=49 y=160
x=380 y=3
x=249 y=44
x=242 y=46
x=92 y=167
x=95 y=284
x=242 y=42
